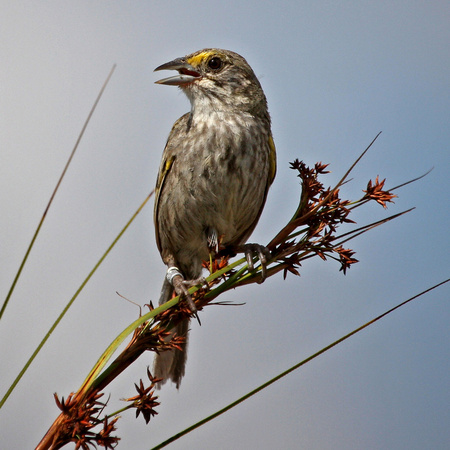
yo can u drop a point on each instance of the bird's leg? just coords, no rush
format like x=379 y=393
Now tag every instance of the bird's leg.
x=181 y=286
x=263 y=254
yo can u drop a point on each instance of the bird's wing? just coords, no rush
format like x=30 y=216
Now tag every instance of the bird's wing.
x=168 y=158
x=272 y=172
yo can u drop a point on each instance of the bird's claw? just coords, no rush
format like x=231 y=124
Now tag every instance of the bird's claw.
x=263 y=255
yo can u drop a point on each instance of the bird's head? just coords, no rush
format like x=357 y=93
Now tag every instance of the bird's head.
x=217 y=78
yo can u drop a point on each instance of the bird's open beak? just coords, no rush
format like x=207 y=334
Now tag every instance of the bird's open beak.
x=187 y=74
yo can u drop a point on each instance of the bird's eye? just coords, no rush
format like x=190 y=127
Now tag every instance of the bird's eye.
x=215 y=63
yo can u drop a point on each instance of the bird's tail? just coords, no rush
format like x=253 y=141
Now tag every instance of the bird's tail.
x=170 y=364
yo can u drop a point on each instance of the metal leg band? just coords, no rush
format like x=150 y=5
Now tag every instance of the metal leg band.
x=173 y=272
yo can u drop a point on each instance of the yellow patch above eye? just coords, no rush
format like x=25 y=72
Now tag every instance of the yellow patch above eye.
x=196 y=60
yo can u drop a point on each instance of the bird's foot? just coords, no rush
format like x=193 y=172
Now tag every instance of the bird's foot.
x=181 y=287
x=263 y=254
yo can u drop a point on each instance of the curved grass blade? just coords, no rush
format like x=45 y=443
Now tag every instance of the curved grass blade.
x=22 y=264
x=291 y=369
x=69 y=304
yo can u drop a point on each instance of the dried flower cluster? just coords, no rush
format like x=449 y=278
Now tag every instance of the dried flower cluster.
x=79 y=416
x=145 y=402
x=375 y=192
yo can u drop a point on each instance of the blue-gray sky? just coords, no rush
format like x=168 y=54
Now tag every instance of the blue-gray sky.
x=335 y=74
